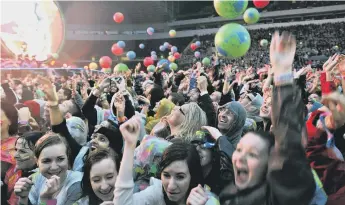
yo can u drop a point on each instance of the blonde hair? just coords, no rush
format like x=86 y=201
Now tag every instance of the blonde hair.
x=195 y=118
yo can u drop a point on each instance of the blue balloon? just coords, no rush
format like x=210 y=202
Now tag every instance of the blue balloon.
x=154 y=57
x=166 y=44
x=198 y=43
x=121 y=44
x=167 y=63
x=153 y=53
x=142 y=46
x=131 y=55
x=174 y=49
x=161 y=48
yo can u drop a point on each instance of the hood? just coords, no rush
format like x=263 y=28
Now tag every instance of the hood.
x=235 y=130
x=78 y=129
x=253 y=108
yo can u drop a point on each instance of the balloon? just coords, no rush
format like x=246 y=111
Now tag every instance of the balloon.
x=177 y=55
x=169 y=46
x=193 y=46
x=261 y=3
x=166 y=44
x=197 y=54
x=153 y=53
x=263 y=43
x=161 y=62
x=116 y=50
x=170 y=53
x=55 y=55
x=161 y=48
x=105 y=62
x=173 y=66
x=154 y=57
x=121 y=44
x=172 y=33
x=121 y=67
x=198 y=44
x=251 y=16
x=131 y=55
x=232 y=40
x=150 y=31
x=118 y=17
x=141 y=46
x=173 y=49
x=93 y=66
x=151 y=68
x=206 y=61
x=171 y=58
x=86 y=67
x=336 y=48
x=148 y=61
x=230 y=9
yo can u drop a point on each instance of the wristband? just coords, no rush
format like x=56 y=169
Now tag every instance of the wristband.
x=283 y=79
x=52 y=104
x=23 y=122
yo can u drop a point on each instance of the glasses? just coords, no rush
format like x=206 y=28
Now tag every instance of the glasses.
x=180 y=109
x=204 y=145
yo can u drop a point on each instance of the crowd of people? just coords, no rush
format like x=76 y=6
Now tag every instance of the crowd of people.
x=266 y=134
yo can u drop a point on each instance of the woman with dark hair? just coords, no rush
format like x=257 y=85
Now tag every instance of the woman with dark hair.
x=100 y=172
x=180 y=172
x=24 y=155
x=9 y=128
x=53 y=182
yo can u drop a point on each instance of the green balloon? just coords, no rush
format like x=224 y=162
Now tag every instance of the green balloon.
x=206 y=61
x=232 y=40
x=121 y=67
x=173 y=66
x=151 y=68
x=251 y=16
x=230 y=8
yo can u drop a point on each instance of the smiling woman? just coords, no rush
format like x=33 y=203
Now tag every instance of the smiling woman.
x=53 y=181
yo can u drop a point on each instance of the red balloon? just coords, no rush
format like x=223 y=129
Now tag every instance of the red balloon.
x=118 y=17
x=148 y=61
x=116 y=50
x=177 y=55
x=261 y=3
x=193 y=46
x=105 y=62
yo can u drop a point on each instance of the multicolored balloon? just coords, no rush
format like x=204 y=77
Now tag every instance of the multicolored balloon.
x=141 y=46
x=251 y=16
x=197 y=54
x=131 y=55
x=263 y=43
x=162 y=48
x=154 y=57
x=151 y=68
x=171 y=58
x=230 y=9
x=150 y=31
x=172 y=33
x=166 y=44
x=153 y=53
x=173 y=49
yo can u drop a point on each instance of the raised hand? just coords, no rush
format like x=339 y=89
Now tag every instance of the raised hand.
x=282 y=52
x=121 y=84
x=215 y=133
x=130 y=131
x=48 y=89
x=105 y=83
x=331 y=63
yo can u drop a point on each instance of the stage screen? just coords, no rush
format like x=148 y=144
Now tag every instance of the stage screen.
x=35 y=28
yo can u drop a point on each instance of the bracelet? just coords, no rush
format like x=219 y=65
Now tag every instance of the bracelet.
x=51 y=104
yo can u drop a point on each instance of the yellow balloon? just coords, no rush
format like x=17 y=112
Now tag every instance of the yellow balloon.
x=171 y=58
x=93 y=66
